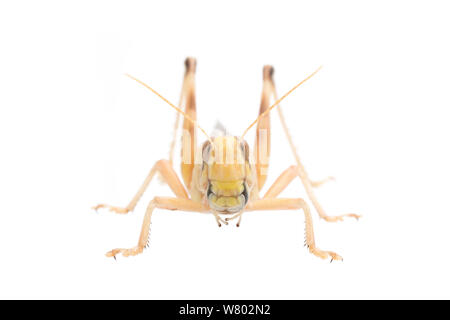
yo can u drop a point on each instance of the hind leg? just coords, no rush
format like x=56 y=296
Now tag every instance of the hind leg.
x=299 y=170
x=262 y=140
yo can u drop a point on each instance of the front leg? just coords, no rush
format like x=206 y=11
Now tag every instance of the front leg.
x=161 y=203
x=295 y=204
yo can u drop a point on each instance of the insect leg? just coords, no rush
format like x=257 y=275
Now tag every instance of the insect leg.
x=189 y=135
x=161 y=203
x=295 y=204
x=181 y=104
x=285 y=179
x=301 y=172
x=314 y=184
x=167 y=173
x=262 y=142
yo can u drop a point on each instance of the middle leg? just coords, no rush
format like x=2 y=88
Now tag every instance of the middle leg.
x=286 y=178
x=168 y=174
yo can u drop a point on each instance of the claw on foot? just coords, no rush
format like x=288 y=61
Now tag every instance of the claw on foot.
x=125 y=252
x=335 y=256
x=342 y=259
x=119 y=210
x=325 y=254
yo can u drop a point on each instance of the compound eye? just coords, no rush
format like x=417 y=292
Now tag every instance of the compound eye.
x=245 y=150
x=245 y=193
x=206 y=151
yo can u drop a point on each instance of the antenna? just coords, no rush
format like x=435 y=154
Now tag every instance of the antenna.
x=171 y=104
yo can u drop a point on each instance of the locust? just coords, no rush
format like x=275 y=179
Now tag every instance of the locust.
x=222 y=176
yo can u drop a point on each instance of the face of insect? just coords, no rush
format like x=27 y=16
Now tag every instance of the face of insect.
x=226 y=165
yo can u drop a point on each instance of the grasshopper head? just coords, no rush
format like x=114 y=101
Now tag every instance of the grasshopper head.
x=227 y=170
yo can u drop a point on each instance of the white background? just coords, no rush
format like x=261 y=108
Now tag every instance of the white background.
x=75 y=132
